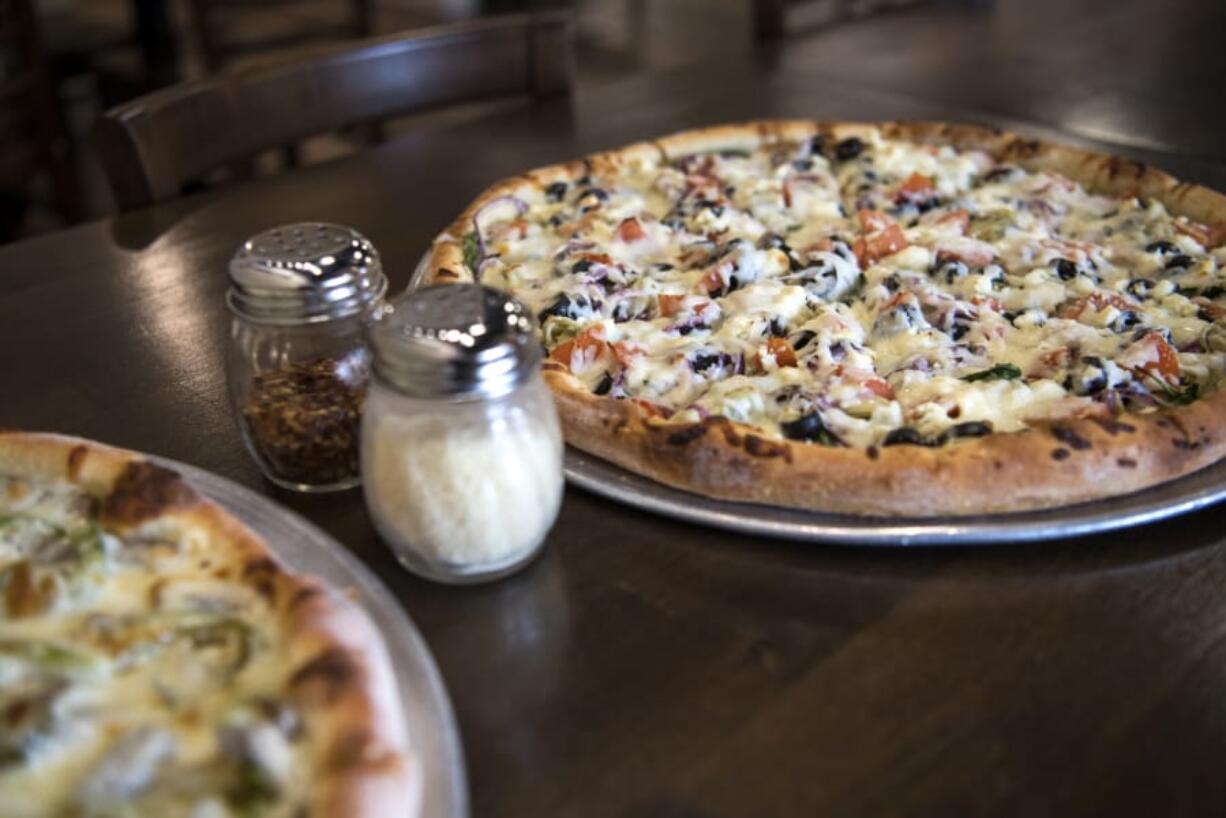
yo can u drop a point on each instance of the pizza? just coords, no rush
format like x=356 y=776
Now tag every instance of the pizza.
x=898 y=319
x=156 y=660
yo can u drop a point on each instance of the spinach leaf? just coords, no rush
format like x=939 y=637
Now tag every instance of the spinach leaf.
x=472 y=252
x=1000 y=372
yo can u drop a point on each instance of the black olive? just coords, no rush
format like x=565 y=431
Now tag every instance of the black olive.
x=803 y=338
x=1139 y=287
x=584 y=182
x=803 y=164
x=581 y=266
x=809 y=427
x=891 y=283
x=1205 y=315
x=1010 y=315
x=817 y=145
x=1160 y=247
x=564 y=307
x=773 y=241
x=1213 y=292
x=998 y=173
x=703 y=361
x=1179 y=260
x=870 y=175
x=555 y=192
x=664 y=267
x=849 y=148
x=1092 y=360
x=734 y=284
x=599 y=194
x=778 y=328
x=905 y=435
x=556 y=220
x=1125 y=321
x=926 y=204
x=1065 y=269
x=674 y=224
x=624 y=311
x=952 y=270
x=606 y=383
x=972 y=428
x=685 y=329
x=794 y=262
x=730 y=191
x=959 y=331
x=1090 y=381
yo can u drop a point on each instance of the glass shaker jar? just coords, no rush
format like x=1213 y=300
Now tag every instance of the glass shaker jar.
x=461 y=447
x=298 y=367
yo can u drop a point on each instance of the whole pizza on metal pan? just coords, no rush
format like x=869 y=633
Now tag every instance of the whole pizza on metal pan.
x=915 y=319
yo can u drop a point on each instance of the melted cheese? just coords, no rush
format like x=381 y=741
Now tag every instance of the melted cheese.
x=1017 y=295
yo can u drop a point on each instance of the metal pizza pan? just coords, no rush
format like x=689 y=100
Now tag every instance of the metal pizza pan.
x=306 y=549
x=1183 y=496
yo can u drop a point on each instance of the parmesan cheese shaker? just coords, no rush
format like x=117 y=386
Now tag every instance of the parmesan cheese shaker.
x=461 y=448
x=297 y=364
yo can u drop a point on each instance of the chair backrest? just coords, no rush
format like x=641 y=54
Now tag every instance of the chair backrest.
x=209 y=17
x=151 y=146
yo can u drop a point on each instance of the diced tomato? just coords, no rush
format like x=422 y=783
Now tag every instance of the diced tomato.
x=880 y=388
x=990 y=303
x=782 y=351
x=917 y=185
x=1097 y=300
x=1206 y=235
x=711 y=282
x=596 y=258
x=1213 y=310
x=650 y=409
x=626 y=352
x=1167 y=363
x=520 y=227
x=873 y=220
x=961 y=248
x=581 y=351
x=1055 y=358
x=630 y=230
x=958 y=218
x=875 y=246
x=670 y=305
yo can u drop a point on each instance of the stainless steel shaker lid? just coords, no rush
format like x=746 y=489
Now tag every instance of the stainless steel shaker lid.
x=305 y=273
x=454 y=340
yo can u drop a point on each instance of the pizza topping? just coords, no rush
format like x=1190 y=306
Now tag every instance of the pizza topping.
x=877 y=283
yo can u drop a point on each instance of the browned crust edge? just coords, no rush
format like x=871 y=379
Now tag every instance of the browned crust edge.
x=342 y=679
x=1048 y=465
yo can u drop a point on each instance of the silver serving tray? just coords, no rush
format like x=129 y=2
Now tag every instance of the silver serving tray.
x=305 y=549
x=1182 y=496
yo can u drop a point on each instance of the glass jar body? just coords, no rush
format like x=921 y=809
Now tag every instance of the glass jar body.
x=462 y=490
x=297 y=393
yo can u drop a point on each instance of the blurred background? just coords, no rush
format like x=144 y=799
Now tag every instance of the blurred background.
x=1122 y=72
x=62 y=62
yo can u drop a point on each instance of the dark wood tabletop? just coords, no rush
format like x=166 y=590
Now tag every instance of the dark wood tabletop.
x=646 y=667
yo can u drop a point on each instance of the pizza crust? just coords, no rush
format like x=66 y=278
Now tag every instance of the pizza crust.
x=342 y=680
x=1047 y=465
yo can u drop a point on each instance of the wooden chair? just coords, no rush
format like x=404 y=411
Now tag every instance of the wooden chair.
x=33 y=134
x=153 y=145
x=210 y=20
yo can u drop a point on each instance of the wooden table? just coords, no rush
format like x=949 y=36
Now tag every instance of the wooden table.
x=644 y=667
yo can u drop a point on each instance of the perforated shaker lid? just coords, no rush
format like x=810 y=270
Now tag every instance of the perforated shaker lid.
x=305 y=273
x=454 y=339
